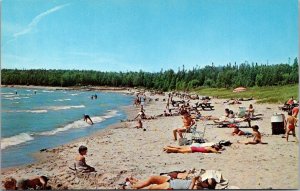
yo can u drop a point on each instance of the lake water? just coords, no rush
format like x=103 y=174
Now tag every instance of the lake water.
x=35 y=119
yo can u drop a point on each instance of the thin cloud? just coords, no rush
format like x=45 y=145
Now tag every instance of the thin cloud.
x=37 y=19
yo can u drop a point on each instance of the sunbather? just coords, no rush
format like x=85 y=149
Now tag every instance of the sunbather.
x=257 y=137
x=237 y=131
x=80 y=160
x=234 y=102
x=188 y=122
x=193 y=149
x=167 y=183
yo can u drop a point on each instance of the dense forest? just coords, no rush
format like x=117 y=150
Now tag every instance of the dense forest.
x=231 y=75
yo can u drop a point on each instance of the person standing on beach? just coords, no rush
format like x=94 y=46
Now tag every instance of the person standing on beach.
x=168 y=102
x=188 y=122
x=291 y=124
x=87 y=117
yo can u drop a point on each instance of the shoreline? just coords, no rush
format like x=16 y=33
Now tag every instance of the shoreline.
x=120 y=150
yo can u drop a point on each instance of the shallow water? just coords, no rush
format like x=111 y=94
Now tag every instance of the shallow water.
x=32 y=121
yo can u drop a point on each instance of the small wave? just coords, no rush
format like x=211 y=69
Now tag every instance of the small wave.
x=12 y=98
x=62 y=100
x=73 y=94
x=28 y=90
x=74 y=125
x=9 y=93
x=26 y=111
x=47 y=91
x=55 y=108
x=80 y=123
x=15 y=140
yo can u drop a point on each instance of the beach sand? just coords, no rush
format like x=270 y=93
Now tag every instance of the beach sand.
x=120 y=151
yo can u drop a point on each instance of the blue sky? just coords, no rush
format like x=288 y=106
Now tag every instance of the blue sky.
x=129 y=35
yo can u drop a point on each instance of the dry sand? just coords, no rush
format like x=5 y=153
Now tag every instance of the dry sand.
x=121 y=150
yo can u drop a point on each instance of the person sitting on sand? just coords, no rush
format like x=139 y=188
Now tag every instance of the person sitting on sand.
x=167 y=183
x=188 y=122
x=139 y=124
x=87 y=117
x=291 y=124
x=193 y=149
x=257 y=137
x=141 y=114
x=80 y=160
x=38 y=183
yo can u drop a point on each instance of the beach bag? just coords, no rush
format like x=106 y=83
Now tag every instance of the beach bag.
x=225 y=143
x=198 y=140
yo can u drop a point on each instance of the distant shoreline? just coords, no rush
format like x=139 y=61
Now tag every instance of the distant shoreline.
x=85 y=88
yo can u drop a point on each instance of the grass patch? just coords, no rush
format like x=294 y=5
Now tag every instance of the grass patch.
x=269 y=94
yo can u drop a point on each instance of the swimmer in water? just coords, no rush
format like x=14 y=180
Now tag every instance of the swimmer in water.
x=87 y=117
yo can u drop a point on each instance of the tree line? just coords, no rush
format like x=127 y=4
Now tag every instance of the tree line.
x=229 y=76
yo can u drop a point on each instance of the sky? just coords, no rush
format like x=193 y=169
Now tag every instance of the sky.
x=148 y=35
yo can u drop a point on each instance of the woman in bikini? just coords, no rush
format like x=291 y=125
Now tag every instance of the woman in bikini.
x=291 y=123
x=192 y=149
x=169 y=183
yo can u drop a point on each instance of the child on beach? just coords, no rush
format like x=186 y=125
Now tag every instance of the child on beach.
x=80 y=160
x=10 y=183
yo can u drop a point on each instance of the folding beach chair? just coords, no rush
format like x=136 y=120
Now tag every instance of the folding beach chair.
x=197 y=136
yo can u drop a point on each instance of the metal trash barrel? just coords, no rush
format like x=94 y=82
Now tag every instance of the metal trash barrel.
x=277 y=121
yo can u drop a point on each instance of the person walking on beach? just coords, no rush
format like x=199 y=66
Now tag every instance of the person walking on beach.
x=87 y=117
x=291 y=124
x=188 y=122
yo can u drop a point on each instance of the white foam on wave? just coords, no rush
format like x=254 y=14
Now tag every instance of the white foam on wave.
x=80 y=123
x=62 y=100
x=47 y=91
x=26 y=111
x=55 y=108
x=12 y=98
x=15 y=140
x=8 y=93
x=73 y=94
x=28 y=90
x=74 y=125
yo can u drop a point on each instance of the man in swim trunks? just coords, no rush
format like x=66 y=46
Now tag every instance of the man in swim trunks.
x=188 y=122
x=291 y=123
x=87 y=117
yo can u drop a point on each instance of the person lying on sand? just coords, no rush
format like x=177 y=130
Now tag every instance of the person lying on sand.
x=87 y=117
x=37 y=183
x=188 y=122
x=80 y=160
x=167 y=183
x=234 y=102
x=291 y=122
x=237 y=131
x=256 y=138
x=193 y=149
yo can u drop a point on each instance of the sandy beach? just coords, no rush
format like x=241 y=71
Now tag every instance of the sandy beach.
x=120 y=151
